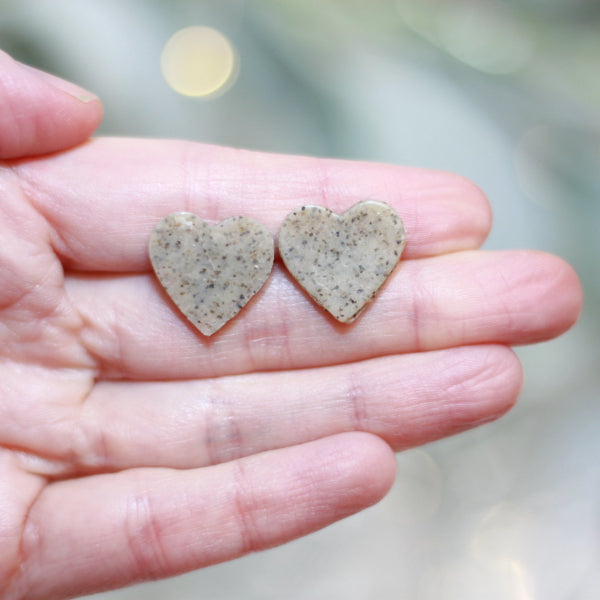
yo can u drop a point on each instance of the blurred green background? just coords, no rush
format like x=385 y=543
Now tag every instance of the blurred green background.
x=505 y=92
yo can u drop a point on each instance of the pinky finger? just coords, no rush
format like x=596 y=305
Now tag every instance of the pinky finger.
x=107 y=531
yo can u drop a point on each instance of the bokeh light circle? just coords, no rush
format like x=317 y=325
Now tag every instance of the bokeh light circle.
x=199 y=62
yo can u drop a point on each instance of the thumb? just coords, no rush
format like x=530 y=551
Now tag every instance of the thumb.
x=40 y=113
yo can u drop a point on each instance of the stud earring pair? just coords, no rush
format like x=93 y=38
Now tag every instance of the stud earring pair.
x=341 y=261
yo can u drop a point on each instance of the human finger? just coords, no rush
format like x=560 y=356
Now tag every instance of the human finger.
x=40 y=113
x=109 y=531
x=133 y=330
x=103 y=199
x=407 y=400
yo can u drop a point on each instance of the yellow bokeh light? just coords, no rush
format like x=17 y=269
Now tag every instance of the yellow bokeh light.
x=199 y=62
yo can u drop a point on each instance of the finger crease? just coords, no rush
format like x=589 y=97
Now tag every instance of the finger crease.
x=144 y=538
x=416 y=313
x=244 y=510
x=223 y=436
x=355 y=398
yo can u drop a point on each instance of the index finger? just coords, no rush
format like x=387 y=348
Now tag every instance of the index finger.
x=103 y=199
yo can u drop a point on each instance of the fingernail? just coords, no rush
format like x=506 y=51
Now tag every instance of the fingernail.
x=64 y=86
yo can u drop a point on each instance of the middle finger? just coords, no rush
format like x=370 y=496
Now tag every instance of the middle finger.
x=135 y=332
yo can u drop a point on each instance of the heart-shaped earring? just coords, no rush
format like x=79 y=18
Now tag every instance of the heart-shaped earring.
x=210 y=273
x=342 y=260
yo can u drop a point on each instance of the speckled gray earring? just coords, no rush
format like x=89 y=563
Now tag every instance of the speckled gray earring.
x=210 y=273
x=342 y=260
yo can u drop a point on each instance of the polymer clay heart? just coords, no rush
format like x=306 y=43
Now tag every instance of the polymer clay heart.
x=342 y=260
x=210 y=272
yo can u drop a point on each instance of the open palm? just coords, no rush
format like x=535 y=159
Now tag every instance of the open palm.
x=131 y=446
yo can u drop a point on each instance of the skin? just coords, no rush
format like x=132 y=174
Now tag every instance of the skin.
x=133 y=448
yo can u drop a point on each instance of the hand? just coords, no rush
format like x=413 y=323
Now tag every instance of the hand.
x=132 y=447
